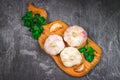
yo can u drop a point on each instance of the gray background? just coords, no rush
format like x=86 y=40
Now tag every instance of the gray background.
x=21 y=58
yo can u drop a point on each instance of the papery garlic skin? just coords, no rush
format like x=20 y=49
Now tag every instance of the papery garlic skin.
x=75 y=36
x=55 y=26
x=54 y=44
x=70 y=56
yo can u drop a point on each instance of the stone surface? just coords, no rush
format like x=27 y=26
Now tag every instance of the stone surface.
x=21 y=58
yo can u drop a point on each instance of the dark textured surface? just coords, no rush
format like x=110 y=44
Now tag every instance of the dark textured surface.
x=21 y=58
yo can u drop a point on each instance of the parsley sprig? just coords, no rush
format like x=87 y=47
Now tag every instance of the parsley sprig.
x=34 y=23
x=88 y=52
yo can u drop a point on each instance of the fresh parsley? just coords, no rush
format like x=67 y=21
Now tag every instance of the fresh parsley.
x=34 y=23
x=88 y=52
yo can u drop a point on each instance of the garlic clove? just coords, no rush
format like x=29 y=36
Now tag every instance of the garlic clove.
x=55 y=26
x=80 y=68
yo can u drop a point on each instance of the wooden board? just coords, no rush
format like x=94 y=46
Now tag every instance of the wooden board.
x=72 y=70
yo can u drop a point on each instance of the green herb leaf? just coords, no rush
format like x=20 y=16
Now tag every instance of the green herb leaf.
x=89 y=57
x=25 y=18
x=88 y=52
x=36 y=16
x=90 y=49
x=41 y=29
x=83 y=49
x=29 y=14
x=42 y=20
x=27 y=23
x=34 y=29
x=34 y=23
x=36 y=34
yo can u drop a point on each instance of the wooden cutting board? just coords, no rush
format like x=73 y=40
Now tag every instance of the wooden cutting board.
x=72 y=70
